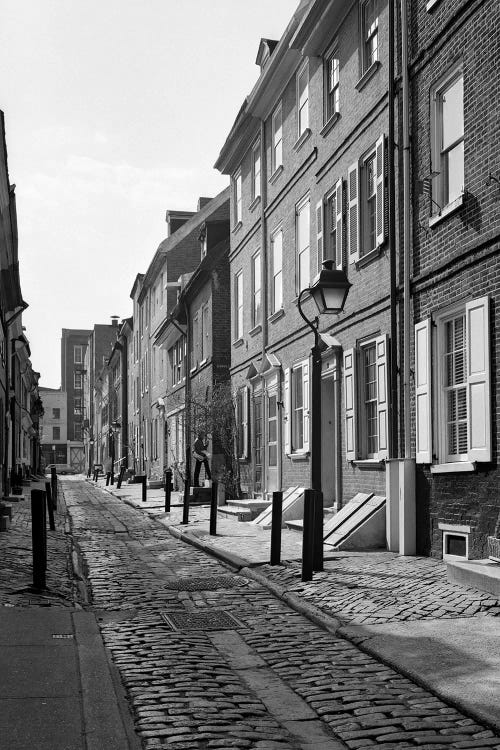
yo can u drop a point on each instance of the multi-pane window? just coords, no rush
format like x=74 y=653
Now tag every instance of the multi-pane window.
x=178 y=360
x=330 y=227
x=237 y=197
x=277 y=271
x=331 y=74
x=369 y=187
x=256 y=289
x=78 y=381
x=78 y=406
x=370 y=33
x=78 y=431
x=56 y=433
x=448 y=143
x=272 y=430
x=78 y=355
x=205 y=333
x=365 y=204
x=303 y=245
x=277 y=139
x=242 y=431
x=455 y=388
x=238 y=305
x=370 y=401
x=256 y=171
x=297 y=386
x=56 y=413
x=303 y=99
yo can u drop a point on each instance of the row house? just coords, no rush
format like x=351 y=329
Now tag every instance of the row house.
x=372 y=143
x=307 y=158
x=20 y=405
x=196 y=339
x=74 y=348
x=454 y=89
x=154 y=295
x=53 y=426
x=118 y=390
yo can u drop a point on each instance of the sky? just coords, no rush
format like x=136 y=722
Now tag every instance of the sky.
x=115 y=111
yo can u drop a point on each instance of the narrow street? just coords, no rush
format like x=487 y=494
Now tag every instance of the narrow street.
x=211 y=659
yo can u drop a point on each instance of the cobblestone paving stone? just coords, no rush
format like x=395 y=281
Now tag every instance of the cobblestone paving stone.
x=16 y=569
x=181 y=685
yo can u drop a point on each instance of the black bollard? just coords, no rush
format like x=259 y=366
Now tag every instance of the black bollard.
x=108 y=477
x=168 y=489
x=50 y=507
x=213 y=510
x=308 y=536
x=276 y=520
x=120 y=477
x=39 y=538
x=53 y=487
x=144 y=488
x=318 y=531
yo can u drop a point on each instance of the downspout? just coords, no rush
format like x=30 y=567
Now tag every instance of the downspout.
x=264 y=298
x=337 y=415
x=406 y=231
x=124 y=399
x=187 y=415
x=394 y=413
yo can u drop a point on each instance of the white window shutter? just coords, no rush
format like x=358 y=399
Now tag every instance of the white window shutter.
x=245 y=421
x=339 y=225
x=353 y=212
x=350 y=404
x=380 y=190
x=478 y=379
x=423 y=392
x=287 y=398
x=319 y=235
x=306 y=412
x=382 y=361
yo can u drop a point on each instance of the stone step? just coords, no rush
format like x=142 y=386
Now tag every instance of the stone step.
x=297 y=524
x=478 y=574
x=254 y=504
x=237 y=512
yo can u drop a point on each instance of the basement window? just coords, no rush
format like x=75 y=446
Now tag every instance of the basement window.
x=455 y=543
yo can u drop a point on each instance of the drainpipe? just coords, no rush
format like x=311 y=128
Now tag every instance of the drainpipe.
x=264 y=297
x=337 y=415
x=392 y=243
x=406 y=230
x=187 y=415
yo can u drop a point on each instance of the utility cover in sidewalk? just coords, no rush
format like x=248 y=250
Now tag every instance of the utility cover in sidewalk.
x=206 y=583
x=214 y=619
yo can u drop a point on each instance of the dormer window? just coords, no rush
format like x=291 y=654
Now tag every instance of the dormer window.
x=266 y=49
x=203 y=241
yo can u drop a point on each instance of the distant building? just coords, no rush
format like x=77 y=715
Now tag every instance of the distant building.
x=53 y=426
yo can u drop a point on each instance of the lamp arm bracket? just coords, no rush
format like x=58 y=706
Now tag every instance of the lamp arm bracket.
x=313 y=325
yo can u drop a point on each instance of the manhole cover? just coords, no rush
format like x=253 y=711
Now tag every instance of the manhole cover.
x=215 y=619
x=206 y=583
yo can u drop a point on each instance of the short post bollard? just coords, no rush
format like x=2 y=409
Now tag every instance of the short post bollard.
x=39 y=538
x=50 y=507
x=144 y=488
x=108 y=477
x=213 y=509
x=318 y=531
x=120 y=477
x=53 y=487
x=276 y=520
x=308 y=536
x=168 y=489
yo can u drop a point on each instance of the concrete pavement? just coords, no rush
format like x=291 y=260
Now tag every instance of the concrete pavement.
x=402 y=610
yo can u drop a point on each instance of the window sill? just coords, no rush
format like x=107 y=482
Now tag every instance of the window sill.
x=446 y=211
x=369 y=463
x=457 y=466
x=368 y=257
x=255 y=330
x=253 y=205
x=237 y=343
x=301 y=139
x=203 y=362
x=368 y=75
x=193 y=369
x=237 y=227
x=329 y=124
x=304 y=456
x=431 y=4
x=275 y=175
x=276 y=315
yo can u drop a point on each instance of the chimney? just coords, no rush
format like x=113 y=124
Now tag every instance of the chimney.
x=175 y=219
x=203 y=202
x=114 y=320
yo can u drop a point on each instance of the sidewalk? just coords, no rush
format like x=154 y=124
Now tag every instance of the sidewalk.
x=403 y=610
x=57 y=687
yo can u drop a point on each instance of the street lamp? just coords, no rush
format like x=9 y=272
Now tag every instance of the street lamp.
x=329 y=291
x=115 y=428
x=91 y=454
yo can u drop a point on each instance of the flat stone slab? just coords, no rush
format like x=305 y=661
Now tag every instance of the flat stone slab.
x=447 y=655
x=479 y=574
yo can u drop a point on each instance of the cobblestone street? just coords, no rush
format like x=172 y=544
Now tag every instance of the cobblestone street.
x=211 y=659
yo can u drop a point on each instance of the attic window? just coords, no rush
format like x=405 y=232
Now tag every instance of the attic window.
x=266 y=48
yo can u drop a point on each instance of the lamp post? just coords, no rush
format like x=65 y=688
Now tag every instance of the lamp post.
x=91 y=454
x=115 y=427
x=329 y=291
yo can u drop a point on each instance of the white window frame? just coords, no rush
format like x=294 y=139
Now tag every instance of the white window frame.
x=242 y=423
x=302 y=84
x=238 y=305
x=205 y=333
x=369 y=36
x=237 y=197
x=304 y=205
x=78 y=354
x=331 y=84
x=78 y=405
x=256 y=288
x=441 y=199
x=256 y=170
x=277 y=138
x=77 y=381
x=294 y=412
x=277 y=270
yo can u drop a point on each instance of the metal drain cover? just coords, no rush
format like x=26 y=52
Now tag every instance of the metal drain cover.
x=206 y=583
x=214 y=619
